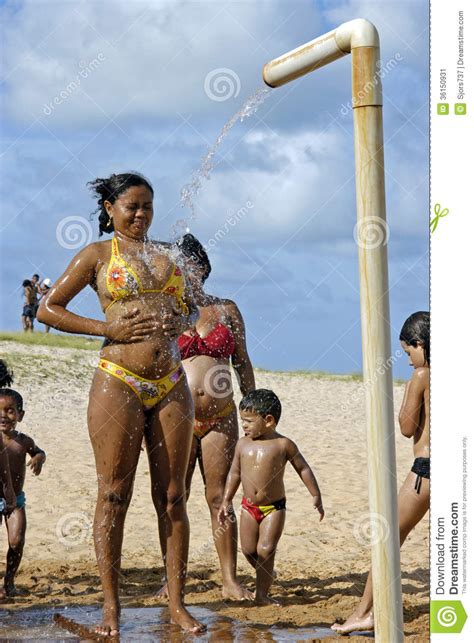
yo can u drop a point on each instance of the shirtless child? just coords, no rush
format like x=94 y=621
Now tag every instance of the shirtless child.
x=259 y=463
x=17 y=445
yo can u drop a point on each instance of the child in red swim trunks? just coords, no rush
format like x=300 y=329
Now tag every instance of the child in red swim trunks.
x=259 y=463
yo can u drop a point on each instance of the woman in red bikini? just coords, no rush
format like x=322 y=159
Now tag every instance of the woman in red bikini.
x=139 y=389
x=207 y=351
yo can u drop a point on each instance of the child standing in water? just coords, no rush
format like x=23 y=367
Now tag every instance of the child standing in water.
x=259 y=463
x=17 y=446
x=414 y=419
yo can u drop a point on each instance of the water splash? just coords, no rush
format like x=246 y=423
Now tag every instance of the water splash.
x=191 y=189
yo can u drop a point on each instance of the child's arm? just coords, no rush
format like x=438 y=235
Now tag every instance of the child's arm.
x=410 y=412
x=304 y=471
x=6 y=485
x=231 y=486
x=38 y=456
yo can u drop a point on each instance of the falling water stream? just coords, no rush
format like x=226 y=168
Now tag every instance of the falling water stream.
x=191 y=189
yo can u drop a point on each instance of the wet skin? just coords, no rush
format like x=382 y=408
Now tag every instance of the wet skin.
x=17 y=446
x=214 y=452
x=259 y=463
x=414 y=420
x=141 y=334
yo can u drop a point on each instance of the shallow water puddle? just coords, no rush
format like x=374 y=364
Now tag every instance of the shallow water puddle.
x=144 y=624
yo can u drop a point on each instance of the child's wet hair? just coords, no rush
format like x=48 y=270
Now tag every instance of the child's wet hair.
x=9 y=392
x=110 y=189
x=263 y=402
x=26 y=283
x=193 y=249
x=416 y=332
x=6 y=375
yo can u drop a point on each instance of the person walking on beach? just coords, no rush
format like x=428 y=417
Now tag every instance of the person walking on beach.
x=414 y=419
x=43 y=288
x=139 y=388
x=29 y=306
x=259 y=463
x=207 y=350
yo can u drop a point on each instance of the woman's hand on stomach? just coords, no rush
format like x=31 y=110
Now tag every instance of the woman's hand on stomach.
x=210 y=382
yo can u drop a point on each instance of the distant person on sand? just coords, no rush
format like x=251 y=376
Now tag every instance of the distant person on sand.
x=259 y=463
x=414 y=419
x=29 y=305
x=207 y=351
x=18 y=446
x=139 y=388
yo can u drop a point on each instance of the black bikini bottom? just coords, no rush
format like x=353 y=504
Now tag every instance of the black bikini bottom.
x=421 y=466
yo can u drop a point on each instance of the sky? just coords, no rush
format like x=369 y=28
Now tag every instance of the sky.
x=91 y=88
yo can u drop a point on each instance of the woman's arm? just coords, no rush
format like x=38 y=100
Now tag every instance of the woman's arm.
x=79 y=274
x=231 y=486
x=240 y=358
x=412 y=405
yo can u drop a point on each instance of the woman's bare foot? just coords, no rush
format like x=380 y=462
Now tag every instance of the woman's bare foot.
x=235 y=591
x=266 y=600
x=180 y=616
x=110 y=625
x=163 y=592
x=355 y=623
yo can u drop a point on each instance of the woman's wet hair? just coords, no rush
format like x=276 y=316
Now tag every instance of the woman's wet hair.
x=9 y=392
x=193 y=249
x=416 y=332
x=263 y=402
x=6 y=374
x=109 y=190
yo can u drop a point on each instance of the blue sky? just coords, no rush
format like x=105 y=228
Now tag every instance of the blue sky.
x=140 y=103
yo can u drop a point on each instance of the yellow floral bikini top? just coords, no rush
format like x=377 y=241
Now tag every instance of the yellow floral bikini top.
x=122 y=281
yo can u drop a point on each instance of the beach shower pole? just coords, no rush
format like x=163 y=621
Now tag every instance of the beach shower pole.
x=360 y=38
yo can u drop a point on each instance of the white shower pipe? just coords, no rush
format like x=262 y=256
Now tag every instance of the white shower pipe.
x=360 y=38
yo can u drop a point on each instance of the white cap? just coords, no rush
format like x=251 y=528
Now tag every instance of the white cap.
x=47 y=283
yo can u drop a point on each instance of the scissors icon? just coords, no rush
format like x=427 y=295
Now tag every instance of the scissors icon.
x=438 y=215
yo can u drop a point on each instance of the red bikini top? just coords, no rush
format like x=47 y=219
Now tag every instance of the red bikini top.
x=218 y=343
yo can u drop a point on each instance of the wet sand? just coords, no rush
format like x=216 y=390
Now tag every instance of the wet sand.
x=321 y=566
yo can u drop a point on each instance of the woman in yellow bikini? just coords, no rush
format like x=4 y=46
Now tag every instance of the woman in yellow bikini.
x=207 y=350
x=139 y=388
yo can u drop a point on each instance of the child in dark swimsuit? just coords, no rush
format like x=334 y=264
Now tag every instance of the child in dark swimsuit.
x=17 y=445
x=259 y=463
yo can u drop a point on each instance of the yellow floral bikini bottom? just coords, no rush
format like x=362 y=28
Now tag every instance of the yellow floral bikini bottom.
x=149 y=392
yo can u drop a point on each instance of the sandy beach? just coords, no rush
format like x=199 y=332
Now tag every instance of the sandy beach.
x=321 y=566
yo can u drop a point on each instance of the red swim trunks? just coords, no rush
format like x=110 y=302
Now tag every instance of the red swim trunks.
x=259 y=512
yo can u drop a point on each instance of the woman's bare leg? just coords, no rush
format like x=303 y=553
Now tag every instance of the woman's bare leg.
x=163 y=592
x=217 y=451
x=168 y=438
x=116 y=423
x=411 y=509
